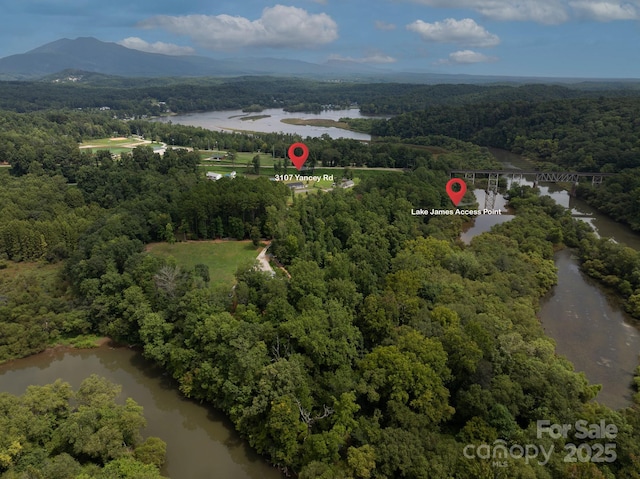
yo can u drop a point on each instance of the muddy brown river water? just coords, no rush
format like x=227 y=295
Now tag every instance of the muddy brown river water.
x=588 y=326
x=201 y=442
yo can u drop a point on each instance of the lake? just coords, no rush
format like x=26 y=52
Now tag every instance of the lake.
x=231 y=120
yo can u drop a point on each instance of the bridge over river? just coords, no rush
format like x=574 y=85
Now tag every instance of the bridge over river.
x=493 y=176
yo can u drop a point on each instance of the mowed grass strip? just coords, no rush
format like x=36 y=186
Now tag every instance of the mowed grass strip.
x=222 y=257
x=107 y=142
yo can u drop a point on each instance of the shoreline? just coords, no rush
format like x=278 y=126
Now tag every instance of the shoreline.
x=99 y=342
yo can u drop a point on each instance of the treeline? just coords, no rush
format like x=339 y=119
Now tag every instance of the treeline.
x=42 y=219
x=616 y=266
x=618 y=196
x=47 y=142
x=115 y=209
x=36 y=310
x=144 y=97
x=388 y=349
x=155 y=196
x=53 y=432
x=595 y=134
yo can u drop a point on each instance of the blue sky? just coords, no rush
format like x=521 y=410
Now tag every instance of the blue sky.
x=562 y=38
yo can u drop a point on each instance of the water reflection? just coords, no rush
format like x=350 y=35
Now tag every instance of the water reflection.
x=589 y=328
x=592 y=331
x=201 y=442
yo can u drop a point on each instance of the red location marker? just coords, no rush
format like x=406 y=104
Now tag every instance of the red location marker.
x=456 y=196
x=298 y=161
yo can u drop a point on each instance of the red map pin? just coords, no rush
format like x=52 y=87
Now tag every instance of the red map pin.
x=456 y=196
x=298 y=161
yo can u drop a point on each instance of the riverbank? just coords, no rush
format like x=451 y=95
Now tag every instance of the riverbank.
x=77 y=343
x=588 y=326
x=604 y=346
x=199 y=438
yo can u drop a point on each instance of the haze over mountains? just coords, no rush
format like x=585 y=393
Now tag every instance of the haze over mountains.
x=88 y=54
x=92 y=55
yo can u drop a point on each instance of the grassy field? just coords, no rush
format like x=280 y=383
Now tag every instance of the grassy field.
x=116 y=146
x=242 y=158
x=222 y=257
x=108 y=142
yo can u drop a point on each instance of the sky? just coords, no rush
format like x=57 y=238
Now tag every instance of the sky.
x=546 y=38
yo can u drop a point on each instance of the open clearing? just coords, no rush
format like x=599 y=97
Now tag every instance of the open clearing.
x=222 y=257
x=117 y=145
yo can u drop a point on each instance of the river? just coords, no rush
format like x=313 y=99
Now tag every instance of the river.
x=268 y=121
x=588 y=326
x=201 y=442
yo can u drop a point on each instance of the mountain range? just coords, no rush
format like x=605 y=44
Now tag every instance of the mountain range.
x=86 y=58
x=92 y=55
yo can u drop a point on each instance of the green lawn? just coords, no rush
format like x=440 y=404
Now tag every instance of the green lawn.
x=116 y=146
x=222 y=257
x=109 y=142
x=114 y=150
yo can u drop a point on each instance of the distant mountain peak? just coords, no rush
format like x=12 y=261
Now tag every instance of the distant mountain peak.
x=89 y=54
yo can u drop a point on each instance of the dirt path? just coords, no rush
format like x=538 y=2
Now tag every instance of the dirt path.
x=263 y=261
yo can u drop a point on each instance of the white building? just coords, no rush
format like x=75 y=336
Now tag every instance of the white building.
x=213 y=176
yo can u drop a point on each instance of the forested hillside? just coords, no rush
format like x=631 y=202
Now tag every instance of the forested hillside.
x=388 y=349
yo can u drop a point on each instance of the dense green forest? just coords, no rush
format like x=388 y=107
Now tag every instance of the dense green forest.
x=390 y=347
x=588 y=134
x=53 y=432
x=600 y=134
x=386 y=348
x=129 y=97
x=48 y=142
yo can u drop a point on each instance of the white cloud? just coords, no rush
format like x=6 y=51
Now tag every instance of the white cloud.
x=461 y=32
x=373 y=58
x=541 y=11
x=605 y=11
x=158 y=47
x=380 y=25
x=465 y=57
x=279 y=27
